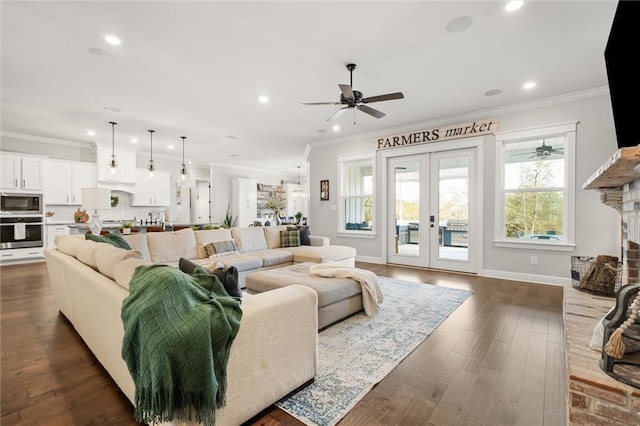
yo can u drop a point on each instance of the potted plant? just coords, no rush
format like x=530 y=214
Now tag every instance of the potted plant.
x=229 y=220
x=126 y=227
x=276 y=203
x=298 y=217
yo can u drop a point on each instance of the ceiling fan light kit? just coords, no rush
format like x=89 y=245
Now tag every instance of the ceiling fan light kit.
x=183 y=167
x=354 y=99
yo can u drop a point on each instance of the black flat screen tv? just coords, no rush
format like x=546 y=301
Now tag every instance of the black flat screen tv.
x=620 y=55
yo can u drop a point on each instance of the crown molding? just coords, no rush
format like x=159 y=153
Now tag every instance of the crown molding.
x=47 y=139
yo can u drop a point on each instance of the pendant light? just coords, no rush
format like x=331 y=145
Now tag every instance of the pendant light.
x=113 y=164
x=183 y=168
x=151 y=167
x=298 y=191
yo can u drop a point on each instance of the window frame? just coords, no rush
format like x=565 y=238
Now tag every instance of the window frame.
x=343 y=162
x=568 y=130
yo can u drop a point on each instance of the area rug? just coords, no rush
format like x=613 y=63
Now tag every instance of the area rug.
x=359 y=352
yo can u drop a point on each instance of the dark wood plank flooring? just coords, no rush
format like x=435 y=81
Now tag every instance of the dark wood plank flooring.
x=497 y=360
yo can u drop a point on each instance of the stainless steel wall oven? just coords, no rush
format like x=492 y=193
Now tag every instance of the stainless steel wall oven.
x=21 y=232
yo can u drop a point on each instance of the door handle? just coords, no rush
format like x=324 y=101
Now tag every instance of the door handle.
x=432 y=220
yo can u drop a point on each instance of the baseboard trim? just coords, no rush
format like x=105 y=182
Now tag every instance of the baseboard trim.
x=530 y=278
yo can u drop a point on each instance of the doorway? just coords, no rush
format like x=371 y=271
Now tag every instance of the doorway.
x=433 y=210
x=201 y=201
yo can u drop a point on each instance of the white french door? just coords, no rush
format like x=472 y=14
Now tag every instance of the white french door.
x=432 y=205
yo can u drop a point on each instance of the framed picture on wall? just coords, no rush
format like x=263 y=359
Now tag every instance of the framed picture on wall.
x=324 y=190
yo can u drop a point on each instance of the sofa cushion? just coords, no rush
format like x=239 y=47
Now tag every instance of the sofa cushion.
x=272 y=234
x=124 y=270
x=208 y=236
x=249 y=239
x=273 y=257
x=107 y=257
x=113 y=238
x=321 y=254
x=68 y=244
x=242 y=261
x=171 y=246
x=138 y=241
x=86 y=252
x=290 y=238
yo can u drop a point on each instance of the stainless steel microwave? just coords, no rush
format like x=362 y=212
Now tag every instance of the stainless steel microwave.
x=20 y=204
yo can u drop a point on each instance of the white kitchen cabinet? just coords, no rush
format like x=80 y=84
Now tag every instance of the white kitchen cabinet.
x=22 y=254
x=65 y=180
x=125 y=172
x=21 y=173
x=52 y=231
x=152 y=191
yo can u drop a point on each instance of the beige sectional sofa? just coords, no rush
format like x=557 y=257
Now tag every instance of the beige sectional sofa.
x=259 y=248
x=274 y=353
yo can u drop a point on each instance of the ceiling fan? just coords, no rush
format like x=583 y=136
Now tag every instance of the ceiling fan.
x=353 y=99
x=543 y=151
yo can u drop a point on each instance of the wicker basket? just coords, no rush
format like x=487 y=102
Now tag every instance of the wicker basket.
x=601 y=275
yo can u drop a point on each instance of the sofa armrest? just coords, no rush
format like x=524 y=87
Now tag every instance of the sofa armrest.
x=318 y=241
x=274 y=353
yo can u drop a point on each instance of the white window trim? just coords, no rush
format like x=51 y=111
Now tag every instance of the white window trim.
x=341 y=220
x=569 y=223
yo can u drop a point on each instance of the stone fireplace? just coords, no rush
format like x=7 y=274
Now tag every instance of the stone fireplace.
x=595 y=398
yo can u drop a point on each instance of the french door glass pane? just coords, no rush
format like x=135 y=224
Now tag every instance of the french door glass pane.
x=453 y=211
x=407 y=208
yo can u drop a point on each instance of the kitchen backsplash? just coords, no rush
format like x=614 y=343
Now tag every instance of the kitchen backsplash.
x=123 y=211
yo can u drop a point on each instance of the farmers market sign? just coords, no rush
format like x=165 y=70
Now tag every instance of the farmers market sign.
x=438 y=134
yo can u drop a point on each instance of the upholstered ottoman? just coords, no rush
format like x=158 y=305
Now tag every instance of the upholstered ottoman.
x=337 y=297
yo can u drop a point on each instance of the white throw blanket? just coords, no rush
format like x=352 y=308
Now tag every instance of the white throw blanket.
x=371 y=293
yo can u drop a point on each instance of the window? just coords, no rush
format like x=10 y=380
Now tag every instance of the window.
x=536 y=187
x=356 y=195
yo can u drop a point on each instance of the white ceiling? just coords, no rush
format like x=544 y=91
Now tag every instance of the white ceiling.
x=197 y=68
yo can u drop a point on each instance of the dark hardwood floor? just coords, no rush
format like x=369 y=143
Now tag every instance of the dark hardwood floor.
x=497 y=360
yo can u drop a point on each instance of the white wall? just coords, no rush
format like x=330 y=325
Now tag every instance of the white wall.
x=597 y=226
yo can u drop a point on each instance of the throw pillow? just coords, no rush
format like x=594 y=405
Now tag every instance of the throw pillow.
x=220 y=247
x=228 y=276
x=290 y=238
x=113 y=238
x=304 y=234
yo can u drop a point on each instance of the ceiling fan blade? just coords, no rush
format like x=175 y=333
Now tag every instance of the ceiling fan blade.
x=347 y=91
x=337 y=114
x=387 y=97
x=320 y=103
x=371 y=111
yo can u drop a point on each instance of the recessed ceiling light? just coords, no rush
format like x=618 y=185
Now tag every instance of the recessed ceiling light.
x=458 y=24
x=263 y=99
x=134 y=140
x=492 y=92
x=113 y=40
x=529 y=85
x=91 y=133
x=513 y=5
x=170 y=146
x=336 y=128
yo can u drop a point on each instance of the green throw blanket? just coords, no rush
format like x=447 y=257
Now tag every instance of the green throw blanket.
x=178 y=333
